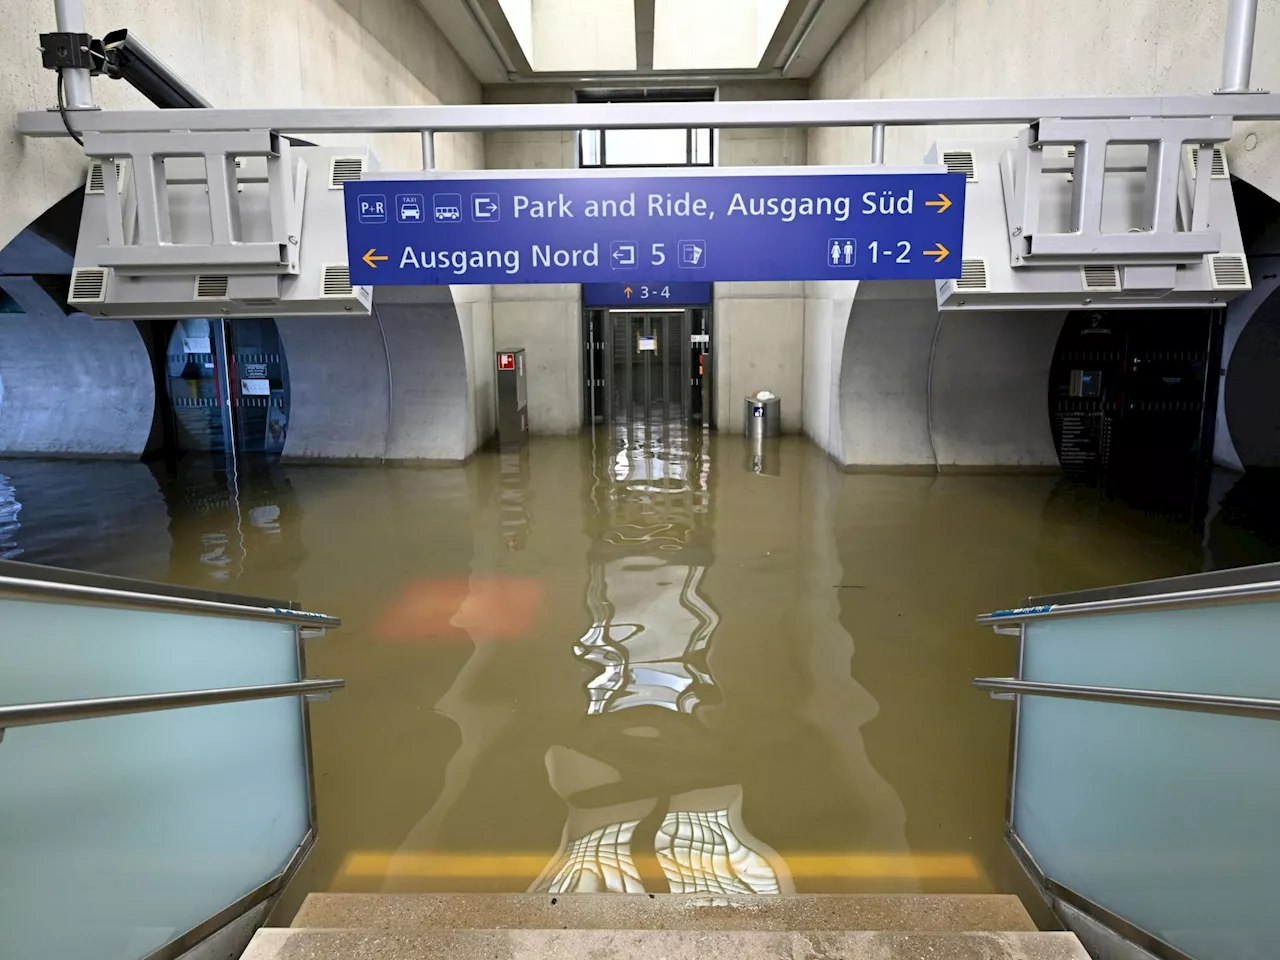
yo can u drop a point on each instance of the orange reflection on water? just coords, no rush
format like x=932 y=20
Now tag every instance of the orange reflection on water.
x=501 y=607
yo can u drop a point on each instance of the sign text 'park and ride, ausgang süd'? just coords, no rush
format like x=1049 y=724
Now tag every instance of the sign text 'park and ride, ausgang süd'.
x=604 y=229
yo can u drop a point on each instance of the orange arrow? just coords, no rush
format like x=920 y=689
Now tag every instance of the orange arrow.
x=939 y=254
x=369 y=258
x=627 y=291
x=943 y=203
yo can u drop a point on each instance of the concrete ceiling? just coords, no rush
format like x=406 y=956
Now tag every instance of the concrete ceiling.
x=805 y=34
x=480 y=32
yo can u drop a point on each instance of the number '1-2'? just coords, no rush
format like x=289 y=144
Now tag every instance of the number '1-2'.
x=904 y=252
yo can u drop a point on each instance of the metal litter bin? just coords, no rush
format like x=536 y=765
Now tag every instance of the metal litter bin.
x=762 y=418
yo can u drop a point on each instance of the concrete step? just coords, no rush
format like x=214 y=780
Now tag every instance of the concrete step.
x=918 y=913
x=290 y=944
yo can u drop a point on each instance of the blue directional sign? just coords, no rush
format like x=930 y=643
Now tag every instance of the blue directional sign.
x=659 y=229
x=641 y=293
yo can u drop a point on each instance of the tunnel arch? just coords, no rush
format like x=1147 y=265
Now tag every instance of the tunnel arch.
x=412 y=382
x=72 y=386
x=409 y=382
x=1247 y=435
x=924 y=390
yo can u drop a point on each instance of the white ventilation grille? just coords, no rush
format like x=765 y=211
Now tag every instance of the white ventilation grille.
x=1229 y=271
x=96 y=183
x=959 y=161
x=973 y=276
x=1219 y=170
x=336 y=281
x=97 y=180
x=1101 y=278
x=344 y=169
x=210 y=287
x=88 y=285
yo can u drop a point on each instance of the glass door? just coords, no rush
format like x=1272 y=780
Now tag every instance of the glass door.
x=649 y=366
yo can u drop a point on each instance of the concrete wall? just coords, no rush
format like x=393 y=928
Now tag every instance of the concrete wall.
x=759 y=327
x=883 y=379
x=413 y=383
x=238 y=53
x=543 y=319
x=988 y=392
x=69 y=385
x=338 y=399
x=991 y=48
x=826 y=318
x=707 y=35
x=890 y=385
x=572 y=35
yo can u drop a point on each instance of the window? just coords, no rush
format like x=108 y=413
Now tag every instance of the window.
x=666 y=147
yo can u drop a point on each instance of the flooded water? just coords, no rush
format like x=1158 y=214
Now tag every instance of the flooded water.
x=638 y=664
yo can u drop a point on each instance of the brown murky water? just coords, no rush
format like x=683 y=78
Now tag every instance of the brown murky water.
x=630 y=665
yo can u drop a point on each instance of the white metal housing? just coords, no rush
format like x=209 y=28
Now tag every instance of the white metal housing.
x=991 y=281
x=312 y=280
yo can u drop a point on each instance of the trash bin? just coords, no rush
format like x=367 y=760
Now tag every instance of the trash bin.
x=763 y=416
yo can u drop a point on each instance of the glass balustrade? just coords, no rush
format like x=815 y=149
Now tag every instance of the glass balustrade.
x=1154 y=818
x=121 y=834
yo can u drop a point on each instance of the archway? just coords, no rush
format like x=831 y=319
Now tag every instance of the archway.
x=69 y=385
x=962 y=390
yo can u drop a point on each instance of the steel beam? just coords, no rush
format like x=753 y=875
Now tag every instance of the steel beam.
x=723 y=114
x=644 y=35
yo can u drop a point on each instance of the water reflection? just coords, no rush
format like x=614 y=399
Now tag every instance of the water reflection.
x=101 y=516
x=651 y=627
x=10 y=507
x=649 y=637
x=708 y=849
x=625 y=662
x=674 y=788
x=237 y=531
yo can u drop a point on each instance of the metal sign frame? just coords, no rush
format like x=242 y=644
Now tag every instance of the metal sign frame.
x=473 y=118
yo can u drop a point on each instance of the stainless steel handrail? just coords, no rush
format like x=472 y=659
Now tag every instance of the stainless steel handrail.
x=79 y=593
x=1196 y=702
x=60 y=711
x=1235 y=593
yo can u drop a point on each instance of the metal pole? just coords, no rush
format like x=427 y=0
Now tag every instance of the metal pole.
x=877 y=143
x=70 y=19
x=428 y=150
x=226 y=392
x=1237 y=53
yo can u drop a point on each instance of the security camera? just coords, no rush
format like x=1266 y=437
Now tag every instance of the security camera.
x=128 y=58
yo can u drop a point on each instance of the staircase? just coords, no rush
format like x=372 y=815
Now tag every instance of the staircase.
x=335 y=926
